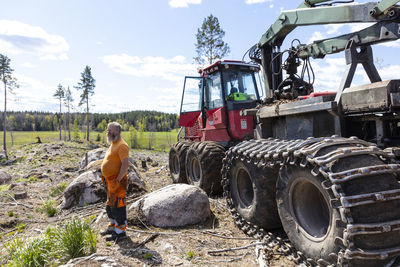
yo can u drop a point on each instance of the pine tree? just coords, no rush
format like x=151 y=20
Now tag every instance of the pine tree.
x=87 y=85
x=209 y=41
x=59 y=94
x=67 y=101
x=9 y=83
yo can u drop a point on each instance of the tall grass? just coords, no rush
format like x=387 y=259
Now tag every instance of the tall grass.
x=75 y=238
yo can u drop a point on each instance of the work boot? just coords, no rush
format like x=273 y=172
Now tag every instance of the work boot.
x=114 y=236
x=108 y=231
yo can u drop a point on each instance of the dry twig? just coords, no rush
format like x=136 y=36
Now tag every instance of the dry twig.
x=148 y=239
x=227 y=237
x=233 y=249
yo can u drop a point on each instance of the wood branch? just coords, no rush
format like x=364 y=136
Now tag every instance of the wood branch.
x=236 y=248
x=18 y=203
x=227 y=237
x=148 y=239
x=160 y=233
x=99 y=217
x=227 y=260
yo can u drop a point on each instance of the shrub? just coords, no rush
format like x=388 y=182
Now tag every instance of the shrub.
x=57 y=245
x=28 y=253
x=48 y=208
x=76 y=239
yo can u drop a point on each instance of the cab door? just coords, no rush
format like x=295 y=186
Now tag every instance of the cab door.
x=192 y=101
x=215 y=124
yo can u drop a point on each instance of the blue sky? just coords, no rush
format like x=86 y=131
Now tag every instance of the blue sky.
x=139 y=51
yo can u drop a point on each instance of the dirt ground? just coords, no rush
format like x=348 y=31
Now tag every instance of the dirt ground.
x=39 y=168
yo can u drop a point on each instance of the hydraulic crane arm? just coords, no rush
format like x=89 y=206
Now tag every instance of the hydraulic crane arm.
x=309 y=15
x=377 y=33
x=384 y=14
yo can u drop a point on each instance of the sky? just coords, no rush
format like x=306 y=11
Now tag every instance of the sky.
x=139 y=51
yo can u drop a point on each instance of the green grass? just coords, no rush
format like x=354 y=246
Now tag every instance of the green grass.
x=189 y=255
x=48 y=208
x=161 y=141
x=75 y=238
x=59 y=189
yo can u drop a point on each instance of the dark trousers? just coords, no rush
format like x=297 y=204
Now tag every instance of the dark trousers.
x=118 y=214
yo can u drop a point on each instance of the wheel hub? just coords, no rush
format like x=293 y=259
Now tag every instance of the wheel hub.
x=175 y=164
x=310 y=208
x=244 y=187
x=195 y=170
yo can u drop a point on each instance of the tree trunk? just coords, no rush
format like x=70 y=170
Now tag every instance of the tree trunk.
x=87 y=117
x=59 y=120
x=68 y=125
x=5 y=118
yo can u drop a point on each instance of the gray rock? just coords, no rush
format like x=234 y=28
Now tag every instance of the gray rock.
x=92 y=155
x=84 y=189
x=173 y=205
x=87 y=188
x=5 y=178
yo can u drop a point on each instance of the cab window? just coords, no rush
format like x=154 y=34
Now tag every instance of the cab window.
x=239 y=85
x=214 y=99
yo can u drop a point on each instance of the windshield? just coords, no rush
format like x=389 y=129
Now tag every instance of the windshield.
x=239 y=85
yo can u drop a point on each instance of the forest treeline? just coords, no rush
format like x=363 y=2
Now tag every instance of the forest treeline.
x=152 y=121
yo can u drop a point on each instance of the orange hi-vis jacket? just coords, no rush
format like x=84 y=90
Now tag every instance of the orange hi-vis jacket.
x=116 y=191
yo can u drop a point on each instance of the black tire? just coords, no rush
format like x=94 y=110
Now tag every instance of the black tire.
x=253 y=193
x=177 y=158
x=306 y=214
x=314 y=225
x=203 y=166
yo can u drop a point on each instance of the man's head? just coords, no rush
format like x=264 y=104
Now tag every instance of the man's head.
x=113 y=131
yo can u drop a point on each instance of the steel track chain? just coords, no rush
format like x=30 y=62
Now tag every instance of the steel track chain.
x=275 y=153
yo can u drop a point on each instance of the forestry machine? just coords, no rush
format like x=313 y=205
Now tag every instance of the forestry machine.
x=323 y=166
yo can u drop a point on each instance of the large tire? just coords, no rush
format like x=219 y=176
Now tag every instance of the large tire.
x=177 y=158
x=253 y=191
x=311 y=217
x=203 y=166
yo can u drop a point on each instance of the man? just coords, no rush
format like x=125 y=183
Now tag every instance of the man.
x=115 y=175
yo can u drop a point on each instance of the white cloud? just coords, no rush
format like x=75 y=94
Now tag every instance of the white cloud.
x=32 y=95
x=183 y=3
x=390 y=72
x=27 y=65
x=20 y=38
x=271 y=6
x=316 y=36
x=173 y=69
x=250 y=2
x=334 y=28
x=359 y=26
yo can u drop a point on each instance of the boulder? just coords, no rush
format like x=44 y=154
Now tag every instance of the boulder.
x=5 y=178
x=173 y=205
x=87 y=188
x=84 y=189
x=92 y=155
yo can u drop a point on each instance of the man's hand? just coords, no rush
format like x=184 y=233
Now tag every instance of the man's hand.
x=124 y=169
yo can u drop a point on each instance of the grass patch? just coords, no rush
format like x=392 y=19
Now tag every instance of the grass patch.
x=10 y=214
x=75 y=238
x=160 y=141
x=59 y=189
x=4 y=187
x=148 y=256
x=29 y=180
x=189 y=255
x=48 y=208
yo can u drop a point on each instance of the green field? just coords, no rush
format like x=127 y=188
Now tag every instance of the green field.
x=160 y=141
